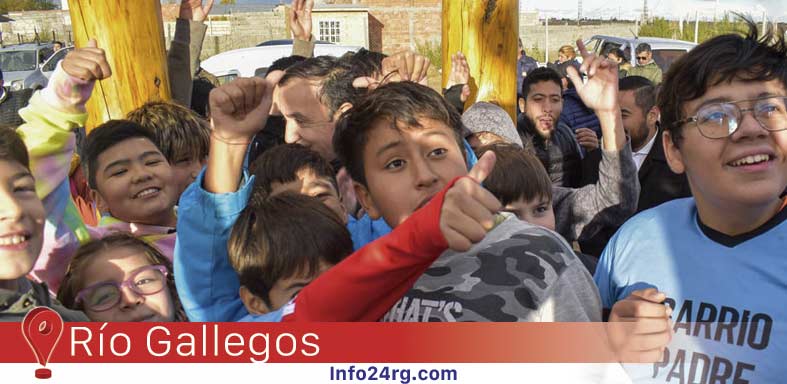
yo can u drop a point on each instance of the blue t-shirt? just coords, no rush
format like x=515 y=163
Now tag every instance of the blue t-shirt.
x=732 y=292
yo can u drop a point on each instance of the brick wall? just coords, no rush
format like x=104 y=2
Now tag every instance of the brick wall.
x=48 y=25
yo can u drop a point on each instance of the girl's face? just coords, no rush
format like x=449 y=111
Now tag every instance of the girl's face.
x=127 y=267
x=21 y=221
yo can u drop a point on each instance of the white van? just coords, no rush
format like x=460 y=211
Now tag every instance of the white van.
x=254 y=61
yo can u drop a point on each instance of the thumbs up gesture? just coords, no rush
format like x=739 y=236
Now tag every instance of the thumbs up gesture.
x=88 y=63
x=469 y=210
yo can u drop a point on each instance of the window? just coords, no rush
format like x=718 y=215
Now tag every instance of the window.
x=51 y=64
x=591 y=45
x=607 y=47
x=330 y=31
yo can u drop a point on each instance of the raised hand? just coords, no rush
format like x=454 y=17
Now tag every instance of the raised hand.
x=403 y=66
x=194 y=10
x=88 y=63
x=601 y=91
x=586 y=138
x=460 y=74
x=469 y=210
x=240 y=109
x=640 y=327
x=301 y=19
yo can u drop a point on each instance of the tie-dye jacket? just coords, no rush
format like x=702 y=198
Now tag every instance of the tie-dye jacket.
x=48 y=132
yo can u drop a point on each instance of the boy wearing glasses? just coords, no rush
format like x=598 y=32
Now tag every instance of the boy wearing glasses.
x=646 y=66
x=714 y=263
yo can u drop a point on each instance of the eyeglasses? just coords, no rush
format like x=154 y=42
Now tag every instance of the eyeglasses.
x=106 y=295
x=642 y=58
x=717 y=121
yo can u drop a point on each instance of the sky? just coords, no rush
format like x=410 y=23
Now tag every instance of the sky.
x=776 y=9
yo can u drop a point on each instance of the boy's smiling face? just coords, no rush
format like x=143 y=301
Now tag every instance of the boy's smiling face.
x=21 y=221
x=135 y=183
x=715 y=174
x=406 y=166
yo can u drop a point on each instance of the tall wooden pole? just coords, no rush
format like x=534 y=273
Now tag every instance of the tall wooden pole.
x=132 y=34
x=486 y=32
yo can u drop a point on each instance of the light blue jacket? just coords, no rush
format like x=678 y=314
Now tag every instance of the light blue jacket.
x=207 y=284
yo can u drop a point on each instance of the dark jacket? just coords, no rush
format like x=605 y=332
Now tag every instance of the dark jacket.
x=11 y=103
x=15 y=305
x=580 y=213
x=659 y=183
x=560 y=155
x=576 y=115
x=524 y=65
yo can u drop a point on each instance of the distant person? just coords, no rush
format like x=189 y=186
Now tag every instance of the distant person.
x=10 y=104
x=646 y=67
x=575 y=114
x=524 y=65
x=619 y=57
x=57 y=45
x=566 y=53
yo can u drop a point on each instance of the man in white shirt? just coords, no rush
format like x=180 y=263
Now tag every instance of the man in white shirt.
x=637 y=99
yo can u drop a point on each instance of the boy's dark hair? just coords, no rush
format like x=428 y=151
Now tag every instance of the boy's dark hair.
x=364 y=62
x=12 y=147
x=283 y=162
x=331 y=74
x=538 y=75
x=108 y=135
x=518 y=174
x=618 y=53
x=282 y=236
x=284 y=63
x=644 y=91
x=200 y=96
x=720 y=59
x=401 y=102
x=180 y=133
x=643 y=47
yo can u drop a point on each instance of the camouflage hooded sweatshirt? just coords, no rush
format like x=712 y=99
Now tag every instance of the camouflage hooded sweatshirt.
x=519 y=272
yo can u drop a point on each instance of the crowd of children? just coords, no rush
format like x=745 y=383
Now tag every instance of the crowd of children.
x=341 y=189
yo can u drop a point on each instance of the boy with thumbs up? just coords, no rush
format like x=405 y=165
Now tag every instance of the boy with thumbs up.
x=243 y=258
x=402 y=145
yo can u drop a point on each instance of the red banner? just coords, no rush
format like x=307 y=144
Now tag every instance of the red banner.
x=317 y=343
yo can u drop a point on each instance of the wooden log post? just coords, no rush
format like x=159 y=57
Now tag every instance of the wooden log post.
x=132 y=34
x=486 y=32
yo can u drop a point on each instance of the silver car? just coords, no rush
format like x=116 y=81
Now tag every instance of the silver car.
x=39 y=78
x=665 y=51
x=19 y=61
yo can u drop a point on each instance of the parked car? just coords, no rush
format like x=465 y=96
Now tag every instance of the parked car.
x=248 y=62
x=39 y=78
x=19 y=61
x=665 y=51
x=284 y=42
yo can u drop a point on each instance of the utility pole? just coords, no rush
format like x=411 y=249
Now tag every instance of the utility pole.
x=681 y=25
x=546 y=39
x=579 y=11
x=645 y=12
x=764 y=22
x=696 y=26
